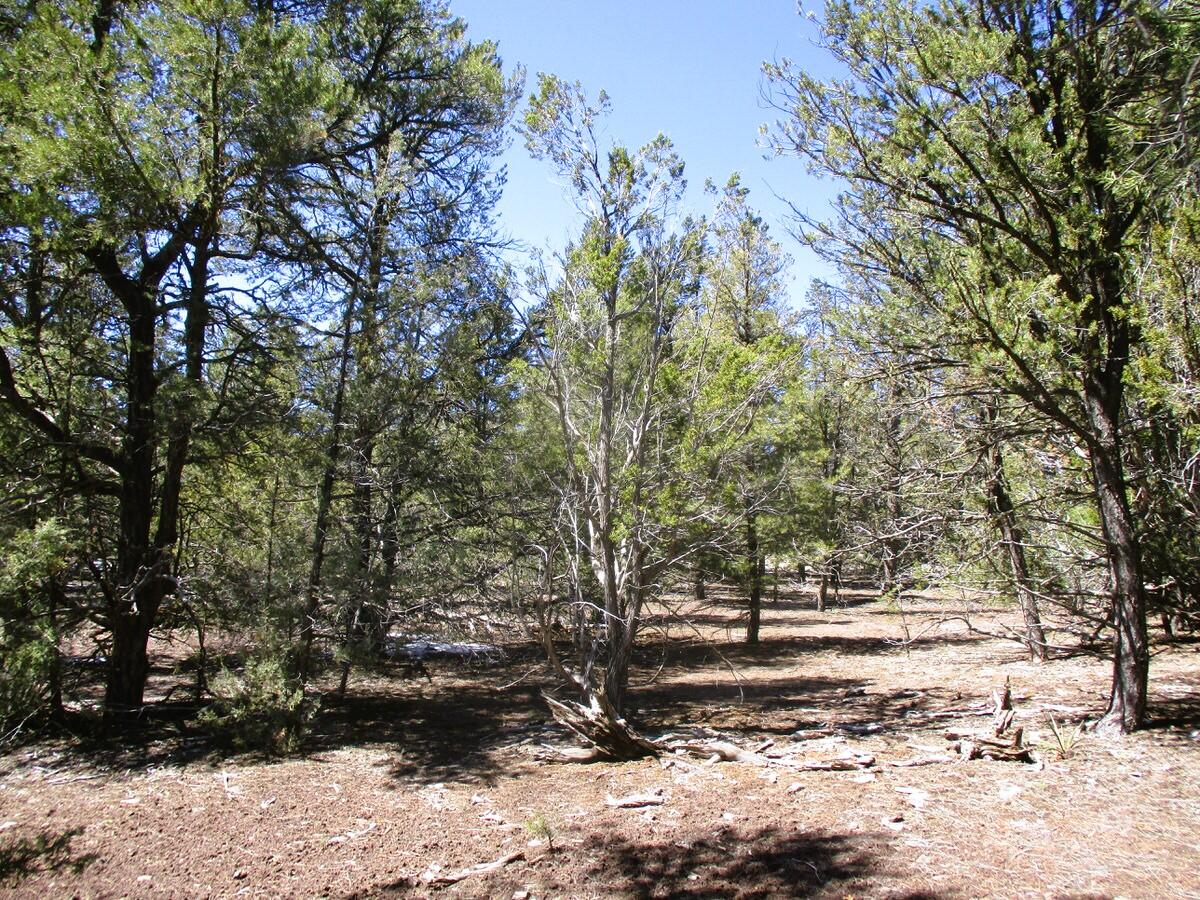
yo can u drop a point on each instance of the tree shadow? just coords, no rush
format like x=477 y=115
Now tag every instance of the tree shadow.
x=766 y=863
x=780 y=706
x=446 y=730
x=1176 y=714
x=44 y=852
x=690 y=654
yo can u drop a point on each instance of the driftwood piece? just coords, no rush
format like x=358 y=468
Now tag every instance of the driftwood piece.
x=722 y=750
x=569 y=754
x=729 y=752
x=1002 y=709
x=599 y=726
x=955 y=713
x=433 y=879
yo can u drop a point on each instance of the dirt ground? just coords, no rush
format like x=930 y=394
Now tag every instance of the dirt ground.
x=408 y=780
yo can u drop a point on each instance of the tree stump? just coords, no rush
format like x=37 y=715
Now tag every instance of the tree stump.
x=599 y=726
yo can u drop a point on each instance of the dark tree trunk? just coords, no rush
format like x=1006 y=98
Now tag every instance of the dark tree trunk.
x=892 y=545
x=57 y=601
x=139 y=583
x=128 y=665
x=143 y=574
x=754 y=573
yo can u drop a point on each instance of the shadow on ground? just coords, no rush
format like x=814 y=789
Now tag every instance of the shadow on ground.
x=47 y=852
x=447 y=731
x=767 y=863
x=1177 y=714
x=689 y=654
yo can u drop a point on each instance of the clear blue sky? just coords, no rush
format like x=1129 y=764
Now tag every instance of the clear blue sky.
x=691 y=70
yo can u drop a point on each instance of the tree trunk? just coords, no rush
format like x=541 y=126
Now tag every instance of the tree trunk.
x=57 y=600
x=1014 y=545
x=128 y=666
x=333 y=453
x=600 y=725
x=754 y=569
x=1131 y=646
x=892 y=545
x=138 y=588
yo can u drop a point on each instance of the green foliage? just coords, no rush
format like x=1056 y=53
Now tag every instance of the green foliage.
x=24 y=675
x=262 y=707
x=28 y=635
x=537 y=827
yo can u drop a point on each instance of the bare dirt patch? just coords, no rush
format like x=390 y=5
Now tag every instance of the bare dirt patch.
x=407 y=782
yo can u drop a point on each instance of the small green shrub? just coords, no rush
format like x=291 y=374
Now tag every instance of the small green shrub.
x=539 y=828
x=261 y=708
x=1065 y=741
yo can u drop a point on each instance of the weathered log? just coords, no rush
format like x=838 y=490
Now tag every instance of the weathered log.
x=569 y=754
x=995 y=746
x=728 y=752
x=635 y=801
x=1002 y=709
x=812 y=734
x=722 y=750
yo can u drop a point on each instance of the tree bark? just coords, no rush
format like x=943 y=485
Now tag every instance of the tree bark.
x=139 y=588
x=1131 y=646
x=1014 y=545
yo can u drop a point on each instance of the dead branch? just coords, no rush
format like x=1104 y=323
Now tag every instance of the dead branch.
x=635 y=801
x=994 y=746
x=933 y=760
x=433 y=879
x=728 y=752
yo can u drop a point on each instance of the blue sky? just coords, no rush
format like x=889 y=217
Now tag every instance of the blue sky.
x=688 y=69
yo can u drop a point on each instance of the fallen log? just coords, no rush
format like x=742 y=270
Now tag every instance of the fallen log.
x=724 y=751
x=975 y=749
x=728 y=752
x=842 y=764
x=812 y=734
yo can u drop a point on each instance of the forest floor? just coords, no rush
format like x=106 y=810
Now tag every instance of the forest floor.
x=408 y=780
